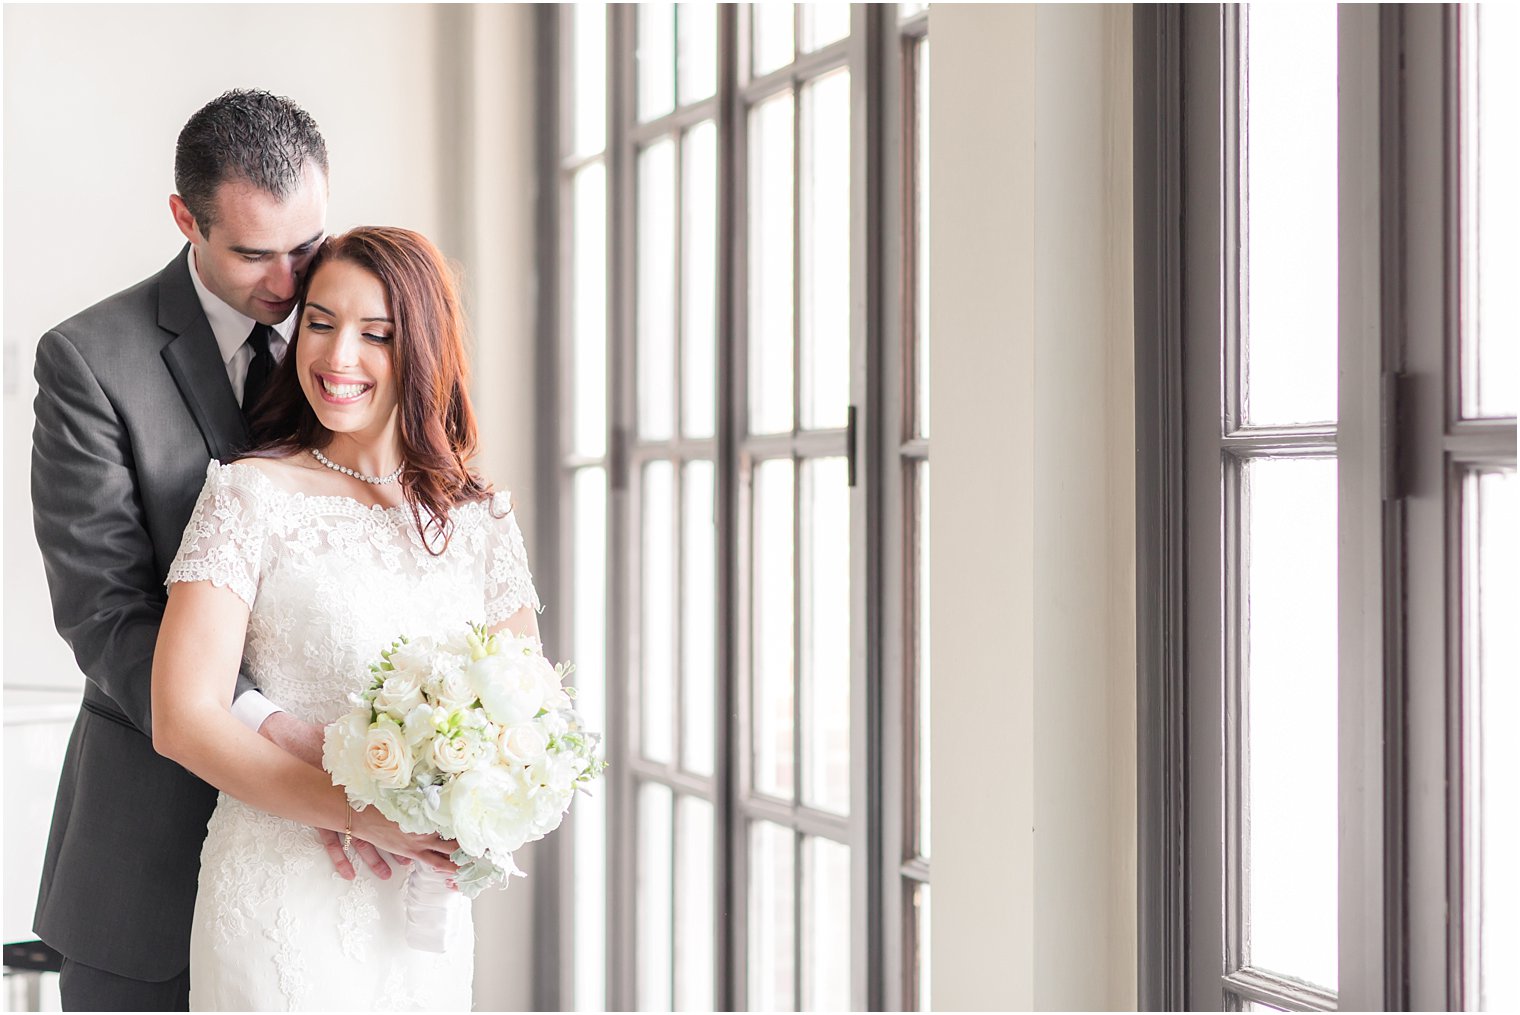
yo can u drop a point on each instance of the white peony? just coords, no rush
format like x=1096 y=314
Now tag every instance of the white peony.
x=489 y=811
x=387 y=755
x=343 y=755
x=513 y=686
x=399 y=694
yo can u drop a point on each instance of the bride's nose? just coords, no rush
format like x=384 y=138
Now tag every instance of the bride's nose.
x=344 y=351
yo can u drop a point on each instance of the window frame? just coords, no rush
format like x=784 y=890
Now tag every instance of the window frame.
x=877 y=974
x=1401 y=449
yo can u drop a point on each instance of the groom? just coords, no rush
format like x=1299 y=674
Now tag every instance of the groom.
x=135 y=396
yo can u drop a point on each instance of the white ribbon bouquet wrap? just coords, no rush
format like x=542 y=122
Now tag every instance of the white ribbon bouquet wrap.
x=472 y=736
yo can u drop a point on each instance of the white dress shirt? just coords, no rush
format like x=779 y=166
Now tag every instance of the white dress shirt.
x=231 y=329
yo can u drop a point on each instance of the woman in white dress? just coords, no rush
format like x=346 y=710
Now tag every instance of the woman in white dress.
x=356 y=520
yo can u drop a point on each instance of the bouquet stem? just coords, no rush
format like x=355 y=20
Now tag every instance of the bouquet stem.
x=433 y=910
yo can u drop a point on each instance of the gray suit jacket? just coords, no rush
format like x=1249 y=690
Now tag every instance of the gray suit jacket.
x=133 y=401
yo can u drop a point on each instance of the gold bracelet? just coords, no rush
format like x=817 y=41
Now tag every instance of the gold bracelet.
x=348 y=825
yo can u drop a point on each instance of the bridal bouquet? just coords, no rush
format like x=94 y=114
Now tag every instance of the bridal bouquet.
x=472 y=736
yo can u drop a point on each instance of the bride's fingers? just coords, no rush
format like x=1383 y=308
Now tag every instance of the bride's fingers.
x=372 y=858
x=334 y=846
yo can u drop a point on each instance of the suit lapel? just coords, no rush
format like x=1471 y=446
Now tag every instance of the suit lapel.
x=196 y=364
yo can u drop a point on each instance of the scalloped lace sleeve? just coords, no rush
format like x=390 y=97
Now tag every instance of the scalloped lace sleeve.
x=509 y=583
x=224 y=540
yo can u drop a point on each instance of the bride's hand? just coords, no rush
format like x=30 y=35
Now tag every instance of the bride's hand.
x=372 y=826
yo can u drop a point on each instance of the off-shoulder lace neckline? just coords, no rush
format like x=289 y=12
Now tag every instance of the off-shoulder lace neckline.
x=403 y=510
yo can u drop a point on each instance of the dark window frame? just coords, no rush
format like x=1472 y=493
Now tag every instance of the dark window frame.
x=1401 y=447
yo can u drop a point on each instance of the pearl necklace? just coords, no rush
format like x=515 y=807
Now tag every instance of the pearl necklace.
x=376 y=480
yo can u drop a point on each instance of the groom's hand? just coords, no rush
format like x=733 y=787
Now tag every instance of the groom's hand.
x=304 y=740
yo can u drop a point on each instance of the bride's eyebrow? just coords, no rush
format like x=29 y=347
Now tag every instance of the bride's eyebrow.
x=317 y=306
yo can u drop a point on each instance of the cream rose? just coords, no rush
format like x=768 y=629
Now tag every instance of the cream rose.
x=387 y=755
x=453 y=754
x=523 y=744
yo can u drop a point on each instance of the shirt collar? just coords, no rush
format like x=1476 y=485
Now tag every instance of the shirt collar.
x=230 y=327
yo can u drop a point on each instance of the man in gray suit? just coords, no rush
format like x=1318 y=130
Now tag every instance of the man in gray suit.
x=136 y=395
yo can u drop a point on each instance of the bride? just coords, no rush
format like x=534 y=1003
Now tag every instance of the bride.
x=356 y=519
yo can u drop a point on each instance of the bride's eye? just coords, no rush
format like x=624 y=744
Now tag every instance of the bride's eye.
x=317 y=326
x=377 y=339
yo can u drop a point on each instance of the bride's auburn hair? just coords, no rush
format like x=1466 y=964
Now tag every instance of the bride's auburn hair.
x=436 y=421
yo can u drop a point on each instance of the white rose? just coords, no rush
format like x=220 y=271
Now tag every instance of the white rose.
x=453 y=690
x=387 y=755
x=415 y=657
x=454 y=754
x=513 y=686
x=343 y=756
x=400 y=693
x=523 y=744
x=489 y=811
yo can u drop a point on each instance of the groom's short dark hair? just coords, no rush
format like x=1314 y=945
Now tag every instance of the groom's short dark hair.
x=246 y=134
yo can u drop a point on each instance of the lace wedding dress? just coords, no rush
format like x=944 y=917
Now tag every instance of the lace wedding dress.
x=329 y=583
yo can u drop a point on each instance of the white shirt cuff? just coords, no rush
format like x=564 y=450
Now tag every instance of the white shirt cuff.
x=251 y=709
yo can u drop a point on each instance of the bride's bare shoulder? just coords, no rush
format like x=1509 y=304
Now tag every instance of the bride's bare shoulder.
x=286 y=471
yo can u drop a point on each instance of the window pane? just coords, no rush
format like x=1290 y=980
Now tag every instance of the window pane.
x=826 y=251
x=697 y=50
x=772 y=31
x=773 y=631
x=770 y=266
x=1492 y=260
x=653 y=946
x=656 y=352
x=699 y=280
x=589 y=639
x=699 y=583
x=590 y=68
x=1288 y=194
x=1491 y=602
x=826 y=925
x=1289 y=540
x=922 y=926
x=694 y=895
x=920 y=536
x=826 y=634
x=588 y=312
x=772 y=866
x=823 y=23
x=921 y=252
x=657 y=610
x=656 y=59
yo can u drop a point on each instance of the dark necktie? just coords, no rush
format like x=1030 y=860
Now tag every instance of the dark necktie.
x=261 y=367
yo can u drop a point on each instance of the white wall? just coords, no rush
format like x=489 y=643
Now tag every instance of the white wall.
x=1033 y=641
x=427 y=114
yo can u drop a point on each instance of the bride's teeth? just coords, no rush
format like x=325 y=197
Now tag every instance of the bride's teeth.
x=343 y=390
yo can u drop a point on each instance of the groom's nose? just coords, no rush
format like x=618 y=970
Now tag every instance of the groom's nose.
x=281 y=278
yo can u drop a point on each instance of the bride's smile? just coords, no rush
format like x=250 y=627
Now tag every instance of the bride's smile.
x=345 y=363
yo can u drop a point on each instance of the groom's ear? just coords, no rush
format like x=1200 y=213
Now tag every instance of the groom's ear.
x=184 y=220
